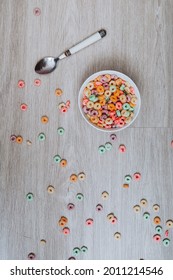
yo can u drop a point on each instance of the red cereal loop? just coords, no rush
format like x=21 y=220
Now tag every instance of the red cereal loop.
x=136 y=176
x=23 y=107
x=63 y=109
x=114 y=220
x=172 y=143
x=37 y=82
x=37 y=11
x=21 y=84
x=122 y=148
x=157 y=237
x=167 y=233
x=89 y=222
x=66 y=230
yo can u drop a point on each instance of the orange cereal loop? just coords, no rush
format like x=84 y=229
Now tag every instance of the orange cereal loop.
x=157 y=220
x=98 y=79
x=100 y=89
x=19 y=139
x=111 y=107
x=61 y=223
x=64 y=219
x=108 y=77
x=113 y=98
x=125 y=186
x=73 y=178
x=63 y=163
x=102 y=102
x=99 y=113
x=118 y=82
x=44 y=119
x=94 y=119
x=58 y=92
x=101 y=97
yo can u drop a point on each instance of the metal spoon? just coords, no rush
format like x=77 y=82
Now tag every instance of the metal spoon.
x=48 y=64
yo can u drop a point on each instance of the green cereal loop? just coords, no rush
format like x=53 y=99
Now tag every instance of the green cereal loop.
x=60 y=130
x=84 y=249
x=79 y=196
x=112 y=88
x=93 y=98
x=131 y=109
x=146 y=215
x=76 y=251
x=57 y=159
x=41 y=137
x=127 y=179
x=102 y=149
x=118 y=113
x=122 y=87
x=29 y=196
x=126 y=106
x=158 y=229
x=166 y=242
x=108 y=146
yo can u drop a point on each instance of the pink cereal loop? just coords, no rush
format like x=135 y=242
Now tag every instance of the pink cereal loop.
x=37 y=11
x=21 y=84
x=37 y=82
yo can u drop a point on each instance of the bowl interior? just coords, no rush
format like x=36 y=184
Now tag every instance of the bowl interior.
x=124 y=77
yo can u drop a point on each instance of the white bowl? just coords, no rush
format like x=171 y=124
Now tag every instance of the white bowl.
x=124 y=77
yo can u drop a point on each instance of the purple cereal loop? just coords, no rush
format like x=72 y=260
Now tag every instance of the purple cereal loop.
x=94 y=113
x=105 y=112
x=94 y=91
x=85 y=109
x=106 y=86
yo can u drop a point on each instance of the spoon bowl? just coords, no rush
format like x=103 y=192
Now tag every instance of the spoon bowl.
x=46 y=65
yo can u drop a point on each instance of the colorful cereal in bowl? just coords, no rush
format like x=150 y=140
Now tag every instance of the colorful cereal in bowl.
x=109 y=100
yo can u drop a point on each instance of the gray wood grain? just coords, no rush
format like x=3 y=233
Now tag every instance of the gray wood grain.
x=138 y=43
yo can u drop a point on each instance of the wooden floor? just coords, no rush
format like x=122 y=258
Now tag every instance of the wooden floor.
x=139 y=43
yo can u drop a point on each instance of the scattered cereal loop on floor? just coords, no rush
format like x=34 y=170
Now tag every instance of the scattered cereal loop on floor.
x=28 y=142
x=143 y=202
x=19 y=139
x=31 y=256
x=58 y=92
x=66 y=231
x=70 y=206
x=37 y=11
x=122 y=148
x=137 y=208
x=44 y=119
x=50 y=189
x=157 y=237
x=21 y=84
x=41 y=137
x=99 y=207
x=23 y=107
x=30 y=196
x=89 y=222
x=43 y=241
x=137 y=176
x=73 y=178
x=81 y=176
x=37 y=82
x=13 y=138
x=105 y=195
x=117 y=235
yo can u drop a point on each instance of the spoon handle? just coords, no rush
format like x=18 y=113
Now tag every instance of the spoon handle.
x=85 y=43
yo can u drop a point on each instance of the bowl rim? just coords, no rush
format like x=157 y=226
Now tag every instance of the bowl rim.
x=124 y=77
